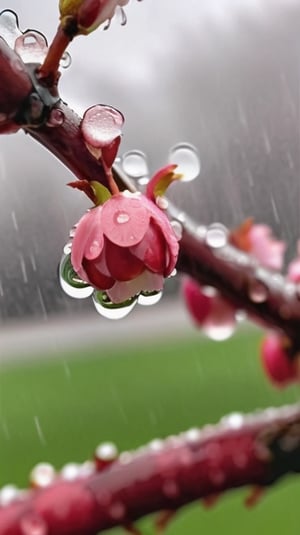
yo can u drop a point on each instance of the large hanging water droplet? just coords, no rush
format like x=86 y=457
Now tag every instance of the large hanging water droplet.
x=31 y=47
x=9 y=27
x=149 y=298
x=134 y=164
x=71 y=284
x=187 y=158
x=219 y=332
x=216 y=235
x=112 y=311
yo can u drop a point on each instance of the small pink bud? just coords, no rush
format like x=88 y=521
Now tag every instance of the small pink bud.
x=280 y=368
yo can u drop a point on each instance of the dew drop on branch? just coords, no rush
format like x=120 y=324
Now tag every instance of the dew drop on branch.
x=187 y=159
x=134 y=164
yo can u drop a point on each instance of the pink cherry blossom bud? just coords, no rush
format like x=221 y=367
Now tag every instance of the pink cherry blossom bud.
x=280 y=368
x=125 y=246
x=89 y=14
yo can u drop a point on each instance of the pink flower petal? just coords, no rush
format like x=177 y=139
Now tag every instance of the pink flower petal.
x=88 y=239
x=122 y=265
x=147 y=282
x=294 y=267
x=125 y=220
x=101 y=125
x=98 y=280
x=152 y=249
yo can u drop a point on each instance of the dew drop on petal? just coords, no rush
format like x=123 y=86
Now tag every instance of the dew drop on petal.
x=216 y=235
x=134 y=164
x=33 y=524
x=112 y=311
x=69 y=281
x=187 y=158
x=122 y=217
x=177 y=227
x=42 y=475
x=257 y=291
x=148 y=299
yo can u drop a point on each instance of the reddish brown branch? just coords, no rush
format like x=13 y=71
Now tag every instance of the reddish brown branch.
x=165 y=475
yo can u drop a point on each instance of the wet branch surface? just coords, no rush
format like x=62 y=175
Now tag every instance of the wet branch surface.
x=257 y=450
x=165 y=475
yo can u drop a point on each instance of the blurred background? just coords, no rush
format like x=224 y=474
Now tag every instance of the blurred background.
x=222 y=75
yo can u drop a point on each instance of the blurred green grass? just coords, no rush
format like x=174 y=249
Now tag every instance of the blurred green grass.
x=58 y=410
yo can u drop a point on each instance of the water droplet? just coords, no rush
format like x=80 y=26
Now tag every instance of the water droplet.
x=162 y=202
x=42 y=475
x=186 y=157
x=71 y=284
x=66 y=60
x=240 y=316
x=216 y=235
x=258 y=292
x=113 y=311
x=56 y=118
x=33 y=524
x=8 y=494
x=149 y=298
x=122 y=217
x=107 y=451
x=134 y=164
x=219 y=333
x=9 y=27
x=31 y=47
x=235 y=420
x=177 y=227
x=70 y=471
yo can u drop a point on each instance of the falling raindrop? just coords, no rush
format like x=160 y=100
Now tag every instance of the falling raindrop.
x=216 y=235
x=257 y=291
x=149 y=298
x=134 y=164
x=71 y=284
x=33 y=524
x=187 y=158
x=113 y=311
